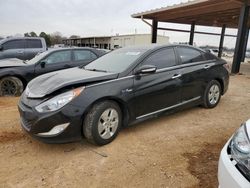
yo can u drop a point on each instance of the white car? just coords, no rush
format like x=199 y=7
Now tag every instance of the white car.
x=234 y=163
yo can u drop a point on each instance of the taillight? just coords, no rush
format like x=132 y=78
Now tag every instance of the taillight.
x=227 y=66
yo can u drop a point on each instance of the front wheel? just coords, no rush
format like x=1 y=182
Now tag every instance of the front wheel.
x=212 y=94
x=102 y=123
x=11 y=86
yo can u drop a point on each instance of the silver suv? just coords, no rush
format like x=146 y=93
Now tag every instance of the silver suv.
x=23 y=48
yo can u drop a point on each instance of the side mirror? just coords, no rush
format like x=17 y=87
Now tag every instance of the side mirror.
x=1 y=47
x=146 y=69
x=43 y=63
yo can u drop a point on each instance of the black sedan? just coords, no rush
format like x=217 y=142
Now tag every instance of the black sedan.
x=15 y=73
x=121 y=88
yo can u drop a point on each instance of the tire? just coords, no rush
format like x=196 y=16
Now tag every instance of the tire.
x=212 y=94
x=99 y=127
x=11 y=86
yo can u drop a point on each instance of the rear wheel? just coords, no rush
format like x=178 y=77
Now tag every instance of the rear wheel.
x=212 y=94
x=11 y=86
x=102 y=123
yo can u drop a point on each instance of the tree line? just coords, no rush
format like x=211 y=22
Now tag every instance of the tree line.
x=51 y=39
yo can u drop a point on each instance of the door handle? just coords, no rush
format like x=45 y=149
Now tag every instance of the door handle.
x=207 y=66
x=20 y=52
x=176 y=76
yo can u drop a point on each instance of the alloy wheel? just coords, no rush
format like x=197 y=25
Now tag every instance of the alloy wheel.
x=108 y=123
x=214 y=94
x=8 y=87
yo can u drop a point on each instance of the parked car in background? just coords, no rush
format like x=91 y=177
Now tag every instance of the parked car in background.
x=58 y=45
x=123 y=87
x=23 y=48
x=15 y=73
x=234 y=163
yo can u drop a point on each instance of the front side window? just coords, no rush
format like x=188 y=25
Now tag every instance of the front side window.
x=13 y=44
x=162 y=58
x=189 y=55
x=81 y=55
x=34 y=43
x=58 y=57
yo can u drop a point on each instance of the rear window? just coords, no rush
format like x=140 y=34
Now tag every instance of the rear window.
x=34 y=43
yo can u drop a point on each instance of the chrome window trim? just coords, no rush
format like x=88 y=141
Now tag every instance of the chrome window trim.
x=157 y=71
x=170 y=107
x=185 y=65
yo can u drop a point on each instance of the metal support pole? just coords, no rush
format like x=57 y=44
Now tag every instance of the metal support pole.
x=222 y=36
x=154 y=31
x=245 y=46
x=242 y=30
x=191 y=37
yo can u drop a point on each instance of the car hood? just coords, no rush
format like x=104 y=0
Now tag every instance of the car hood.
x=48 y=83
x=11 y=62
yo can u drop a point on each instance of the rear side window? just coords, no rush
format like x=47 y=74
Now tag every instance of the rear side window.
x=80 y=55
x=60 y=56
x=162 y=59
x=13 y=44
x=189 y=55
x=34 y=43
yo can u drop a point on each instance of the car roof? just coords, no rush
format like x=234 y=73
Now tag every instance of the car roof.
x=14 y=38
x=158 y=46
x=69 y=48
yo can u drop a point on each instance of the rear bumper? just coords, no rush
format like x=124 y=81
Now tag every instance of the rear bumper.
x=34 y=123
x=228 y=174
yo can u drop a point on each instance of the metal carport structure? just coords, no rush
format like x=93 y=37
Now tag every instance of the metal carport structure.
x=220 y=13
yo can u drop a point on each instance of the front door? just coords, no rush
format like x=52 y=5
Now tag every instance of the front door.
x=158 y=91
x=55 y=61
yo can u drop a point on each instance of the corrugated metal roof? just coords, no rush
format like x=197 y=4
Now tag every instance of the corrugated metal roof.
x=202 y=12
x=190 y=2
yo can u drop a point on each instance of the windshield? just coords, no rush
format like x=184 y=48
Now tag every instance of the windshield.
x=116 y=61
x=38 y=57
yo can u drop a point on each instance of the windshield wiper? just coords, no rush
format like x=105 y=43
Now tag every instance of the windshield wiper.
x=97 y=70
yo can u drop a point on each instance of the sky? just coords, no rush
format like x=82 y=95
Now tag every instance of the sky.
x=92 y=18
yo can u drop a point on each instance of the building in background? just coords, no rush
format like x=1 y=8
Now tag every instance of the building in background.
x=113 y=42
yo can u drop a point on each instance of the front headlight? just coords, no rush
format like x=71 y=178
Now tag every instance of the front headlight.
x=240 y=147
x=58 y=101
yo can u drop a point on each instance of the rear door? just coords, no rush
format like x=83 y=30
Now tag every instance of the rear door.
x=33 y=47
x=55 y=61
x=82 y=57
x=13 y=49
x=160 y=90
x=195 y=69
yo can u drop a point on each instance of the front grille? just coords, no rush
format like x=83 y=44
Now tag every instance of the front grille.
x=26 y=124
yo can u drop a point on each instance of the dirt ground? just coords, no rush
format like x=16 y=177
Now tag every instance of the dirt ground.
x=179 y=150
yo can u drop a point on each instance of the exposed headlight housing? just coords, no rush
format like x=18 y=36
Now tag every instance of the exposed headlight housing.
x=58 y=101
x=240 y=148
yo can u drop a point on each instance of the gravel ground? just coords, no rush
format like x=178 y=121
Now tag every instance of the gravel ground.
x=178 y=150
